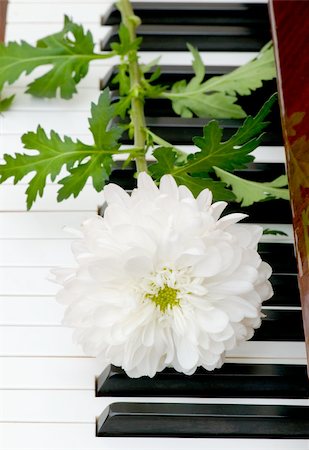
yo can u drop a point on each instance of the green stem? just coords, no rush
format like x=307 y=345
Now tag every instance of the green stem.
x=137 y=103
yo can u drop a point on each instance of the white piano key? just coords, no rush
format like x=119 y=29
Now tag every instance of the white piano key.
x=267 y=349
x=81 y=436
x=26 y=281
x=47 y=252
x=51 y=12
x=19 y=122
x=40 y=225
x=80 y=102
x=82 y=406
x=286 y=228
x=48 y=373
x=14 y=199
x=32 y=32
x=209 y=58
x=52 y=373
x=271 y=154
x=30 y=311
x=57 y=341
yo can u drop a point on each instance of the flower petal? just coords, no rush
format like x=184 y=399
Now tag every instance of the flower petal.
x=187 y=353
x=169 y=187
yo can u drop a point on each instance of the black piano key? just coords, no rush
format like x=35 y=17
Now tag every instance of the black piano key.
x=280 y=325
x=198 y=420
x=190 y=13
x=179 y=131
x=270 y=211
x=205 y=37
x=251 y=105
x=230 y=381
x=280 y=256
x=262 y=172
x=286 y=292
x=170 y=74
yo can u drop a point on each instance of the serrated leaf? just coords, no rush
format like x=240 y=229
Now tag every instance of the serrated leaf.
x=248 y=192
x=247 y=77
x=52 y=153
x=122 y=79
x=216 y=105
x=153 y=63
x=101 y=115
x=274 y=232
x=5 y=103
x=233 y=153
x=196 y=185
x=125 y=45
x=69 y=52
x=216 y=97
x=166 y=158
x=198 y=67
x=98 y=168
x=195 y=171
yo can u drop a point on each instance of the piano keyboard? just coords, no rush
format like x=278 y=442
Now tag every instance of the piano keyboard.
x=47 y=385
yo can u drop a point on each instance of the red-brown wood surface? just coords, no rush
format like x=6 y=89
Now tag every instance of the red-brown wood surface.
x=290 y=26
x=3 y=5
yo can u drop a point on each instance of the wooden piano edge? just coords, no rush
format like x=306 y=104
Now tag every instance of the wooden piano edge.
x=3 y=9
x=289 y=22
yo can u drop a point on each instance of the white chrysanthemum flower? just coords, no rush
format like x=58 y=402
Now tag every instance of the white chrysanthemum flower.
x=163 y=282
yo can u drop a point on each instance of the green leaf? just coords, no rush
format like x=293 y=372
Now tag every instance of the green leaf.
x=52 y=153
x=101 y=115
x=195 y=171
x=124 y=46
x=166 y=160
x=247 y=192
x=69 y=52
x=198 y=67
x=98 y=168
x=233 y=153
x=197 y=184
x=216 y=105
x=247 y=77
x=216 y=97
x=122 y=79
x=274 y=232
x=5 y=103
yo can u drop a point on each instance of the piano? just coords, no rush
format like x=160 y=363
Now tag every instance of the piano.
x=55 y=398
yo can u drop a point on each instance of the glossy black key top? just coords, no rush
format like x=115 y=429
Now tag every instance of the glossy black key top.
x=280 y=325
x=230 y=381
x=204 y=37
x=280 y=256
x=179 y=131
x=191 y=13
x=196 y=420
x=286 y=292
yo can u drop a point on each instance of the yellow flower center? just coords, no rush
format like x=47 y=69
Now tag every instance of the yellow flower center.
x=165 y=298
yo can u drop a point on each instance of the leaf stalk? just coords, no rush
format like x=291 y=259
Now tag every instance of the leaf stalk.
x=137 y=103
